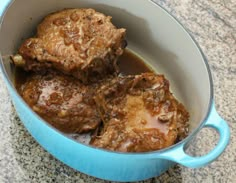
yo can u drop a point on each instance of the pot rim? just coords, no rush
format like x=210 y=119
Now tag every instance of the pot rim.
x=182 y=142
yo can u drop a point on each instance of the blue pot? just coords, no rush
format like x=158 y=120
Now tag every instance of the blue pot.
x=164 y=44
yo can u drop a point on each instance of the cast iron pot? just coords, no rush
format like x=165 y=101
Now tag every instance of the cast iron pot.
x=164 y=44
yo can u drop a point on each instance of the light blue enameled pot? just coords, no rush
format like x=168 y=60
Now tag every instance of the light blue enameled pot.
x=164 y=44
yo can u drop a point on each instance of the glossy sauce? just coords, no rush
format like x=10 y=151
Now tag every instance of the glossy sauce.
x=129 y=64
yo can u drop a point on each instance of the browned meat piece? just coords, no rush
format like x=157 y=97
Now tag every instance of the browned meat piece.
x=80 y=42
x=62 y=101
x=139 y=114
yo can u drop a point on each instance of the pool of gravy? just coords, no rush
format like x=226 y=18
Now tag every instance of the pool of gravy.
x=130 y=64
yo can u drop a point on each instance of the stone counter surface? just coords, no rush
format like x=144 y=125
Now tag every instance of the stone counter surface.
x=213 y=24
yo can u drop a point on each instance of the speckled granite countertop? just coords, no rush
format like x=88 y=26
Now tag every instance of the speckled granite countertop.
x=213 y=24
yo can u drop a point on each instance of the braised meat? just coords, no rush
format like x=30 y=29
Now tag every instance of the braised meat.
x=80 y=42
x=62 y=101
x=139 y=114
x=77 y=87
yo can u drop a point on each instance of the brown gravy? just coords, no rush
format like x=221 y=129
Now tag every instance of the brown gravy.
x=129 y=64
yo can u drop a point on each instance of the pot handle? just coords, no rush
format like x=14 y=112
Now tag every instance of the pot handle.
x=214 y=121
